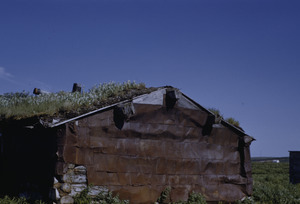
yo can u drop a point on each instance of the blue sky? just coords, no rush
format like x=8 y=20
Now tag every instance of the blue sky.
x=239 y=56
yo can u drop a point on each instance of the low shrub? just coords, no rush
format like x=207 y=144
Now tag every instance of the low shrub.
x=164 y=195
x=271 y=184
x=102 y=198
x=194 y=198
x=13 y=200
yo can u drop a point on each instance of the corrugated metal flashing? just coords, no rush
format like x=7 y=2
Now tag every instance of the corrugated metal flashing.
x=86 y=114
x=137 y=99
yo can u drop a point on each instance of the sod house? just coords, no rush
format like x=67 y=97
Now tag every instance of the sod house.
x=135 y=148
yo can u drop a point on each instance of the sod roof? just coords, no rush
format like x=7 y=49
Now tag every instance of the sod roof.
x=66 y=104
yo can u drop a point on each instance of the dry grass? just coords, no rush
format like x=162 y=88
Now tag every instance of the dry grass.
x=24 y=105
x=230 y=120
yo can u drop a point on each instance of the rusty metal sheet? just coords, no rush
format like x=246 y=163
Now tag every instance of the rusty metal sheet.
x=156 y=148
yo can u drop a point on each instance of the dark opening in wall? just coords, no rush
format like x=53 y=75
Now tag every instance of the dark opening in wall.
x=207 y=128
x=242 y=156
x=122 y=113
x=119 y=117
x=1 y=154
x=170 y=99
x=1 y=145
x=27 y=162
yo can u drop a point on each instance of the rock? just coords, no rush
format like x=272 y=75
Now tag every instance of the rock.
x=72 y=178
x=95 y=190
x=77 y=188
x=55 y=181
x=56 y=184
x=78 y=179
x=54 y=194
x=66 y=187
x=57 y=196
x=71 y=166
x=80 y=170
x=67 y=200
x=67 y=178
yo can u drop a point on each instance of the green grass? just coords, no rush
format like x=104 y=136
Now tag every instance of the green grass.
x=194 y=198
x=230 y=120
x=13 y=200
x=271 y=183
x=102 y=198
x=66 y=104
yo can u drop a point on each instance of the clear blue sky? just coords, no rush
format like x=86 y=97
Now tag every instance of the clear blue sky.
x=242 y=57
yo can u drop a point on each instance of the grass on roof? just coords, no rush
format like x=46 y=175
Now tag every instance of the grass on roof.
x=230 y=120
x=23 y=105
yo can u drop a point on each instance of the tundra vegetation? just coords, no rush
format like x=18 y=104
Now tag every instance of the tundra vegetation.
x=67 y=104
x=219 y=116
x=63 y=104
x=271 y=184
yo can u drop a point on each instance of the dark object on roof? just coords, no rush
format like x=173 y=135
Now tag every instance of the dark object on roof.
x=135 y=148
x=76 y=88
x=37 y=91
x=295 y=167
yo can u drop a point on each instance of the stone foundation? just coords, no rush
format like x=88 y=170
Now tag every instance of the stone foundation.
x=71 y=183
